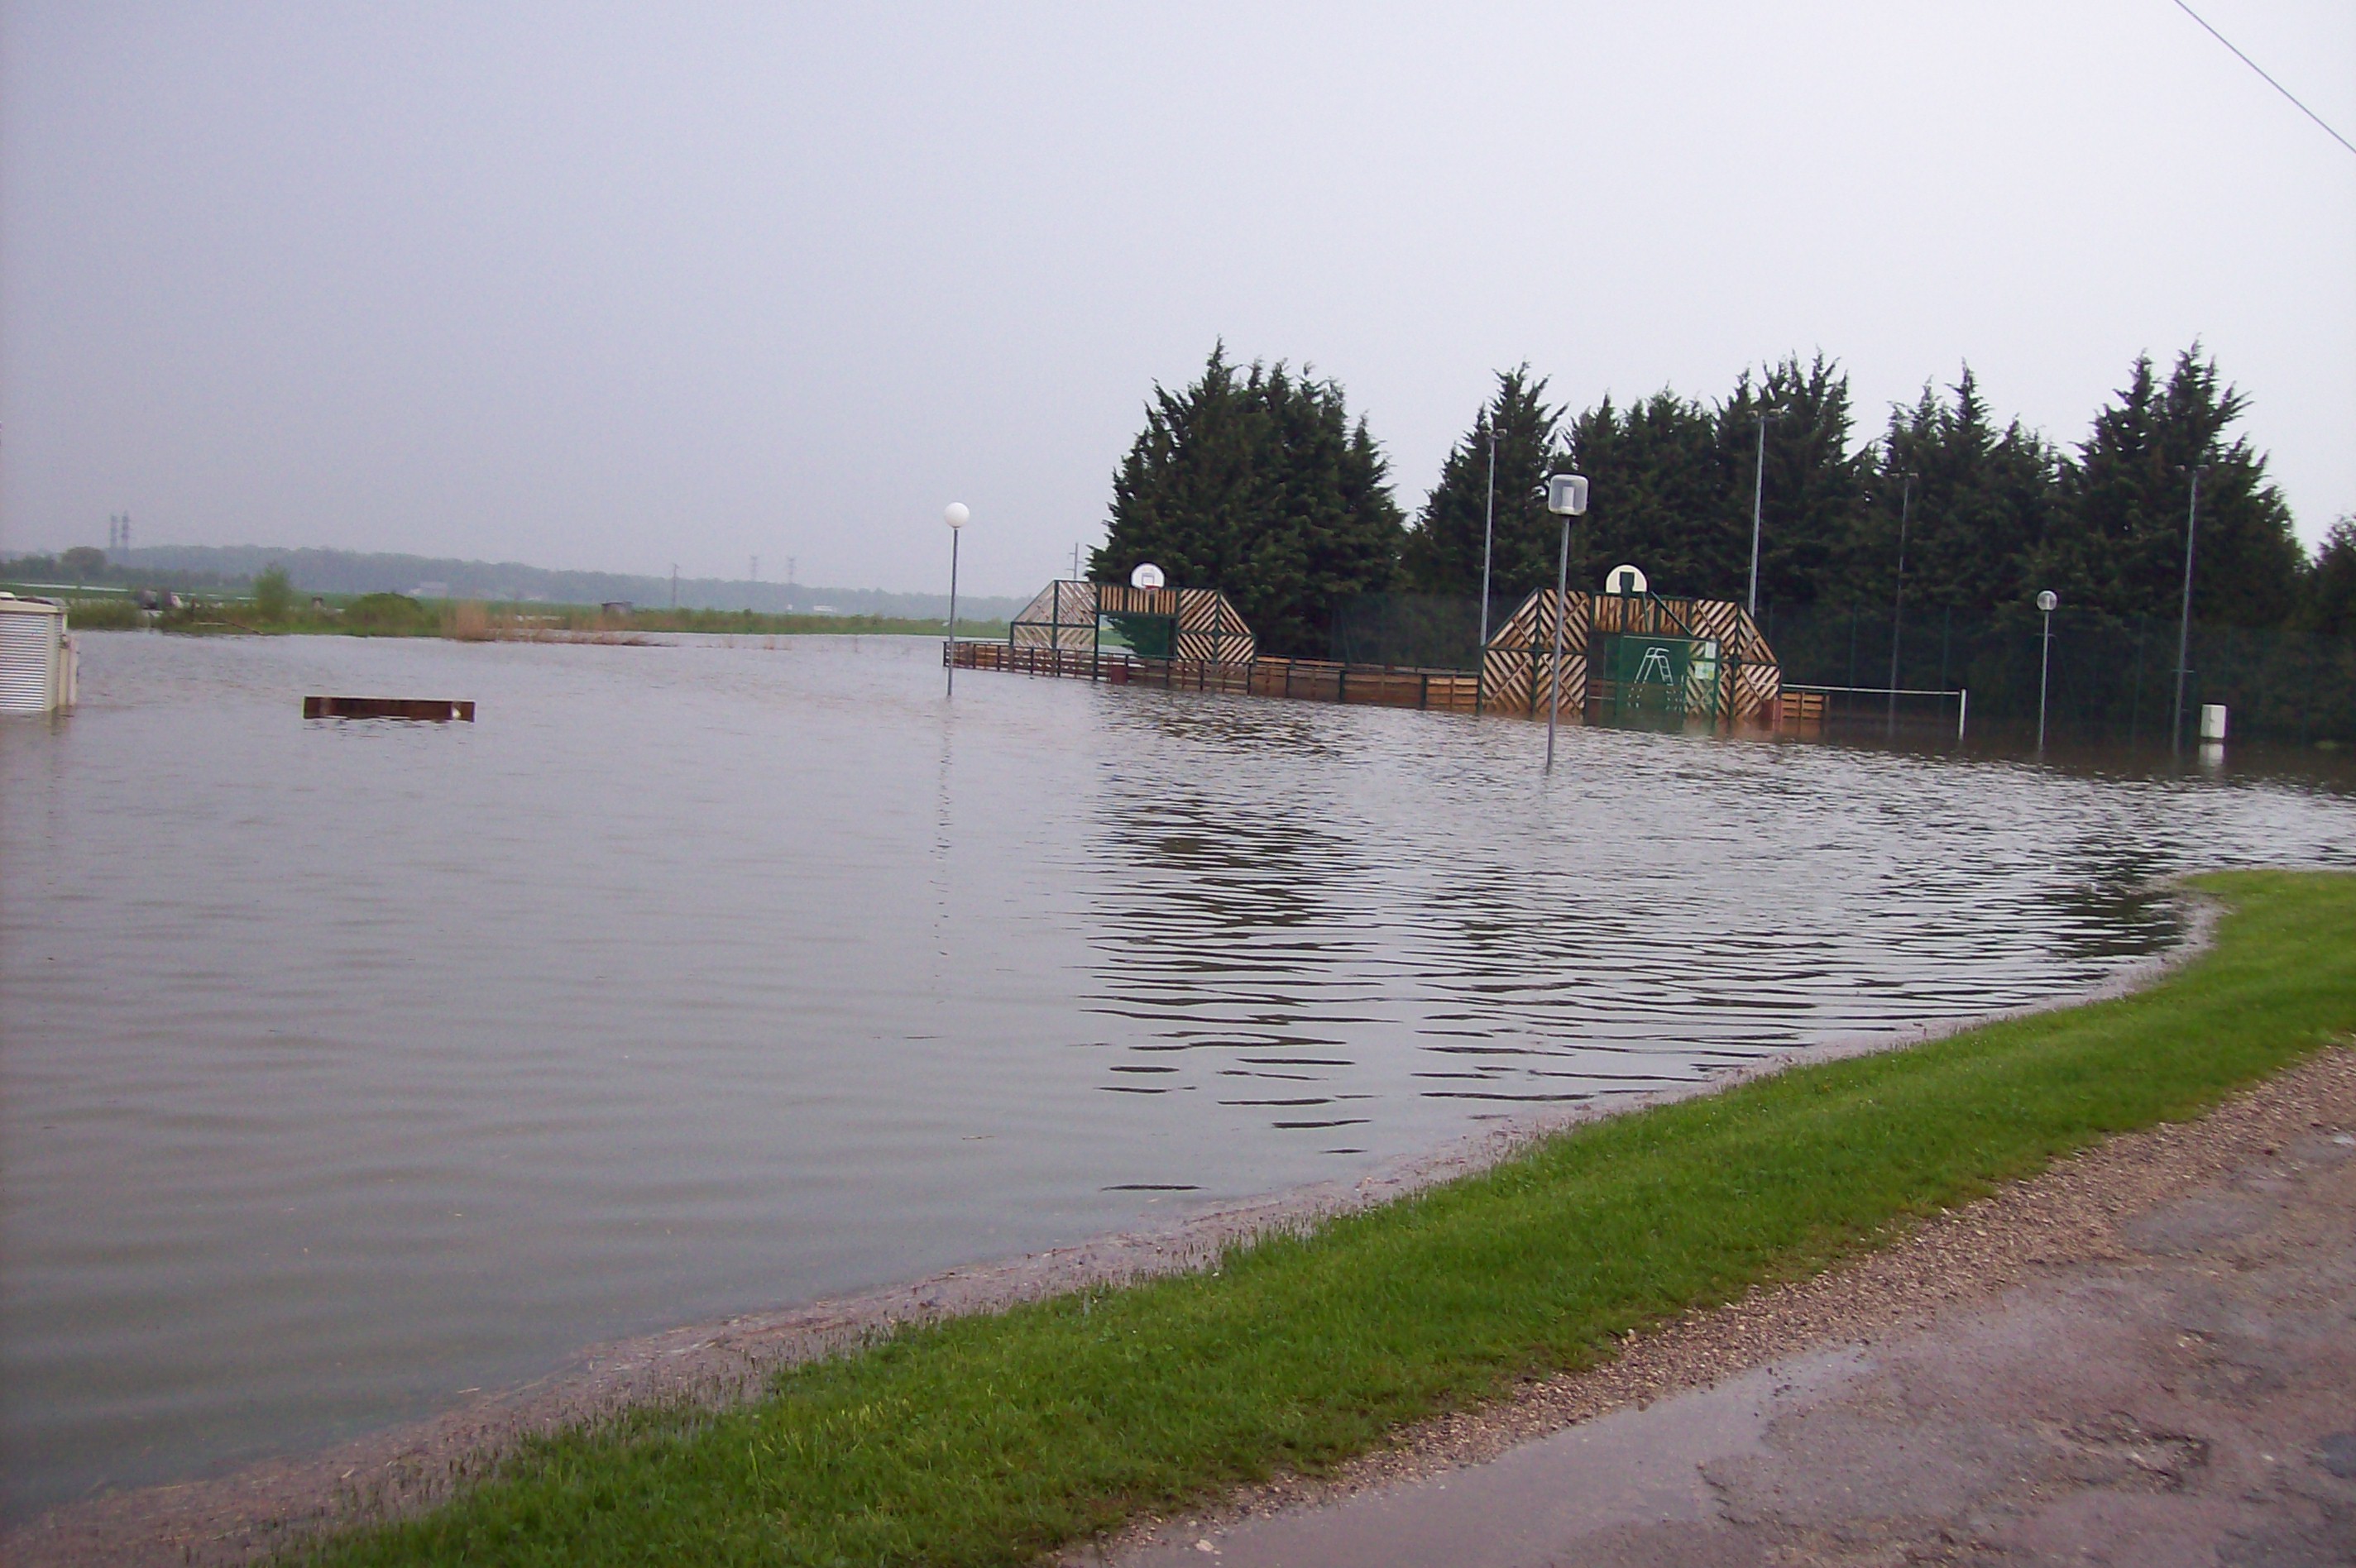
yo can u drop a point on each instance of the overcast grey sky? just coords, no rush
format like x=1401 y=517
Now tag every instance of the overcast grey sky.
x=620 y=286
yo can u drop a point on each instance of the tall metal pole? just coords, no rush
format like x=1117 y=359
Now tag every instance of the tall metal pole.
x=1488 y=534
x=1562 y=608
x=1758 y=495
x=2184 y=618
x=2044 y=662
x=1897 y=600
x=953 y=535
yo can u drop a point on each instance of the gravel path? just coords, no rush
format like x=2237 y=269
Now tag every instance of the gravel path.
x=2148 y=1353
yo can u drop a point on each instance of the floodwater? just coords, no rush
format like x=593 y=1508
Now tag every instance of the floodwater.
x=346 y=1067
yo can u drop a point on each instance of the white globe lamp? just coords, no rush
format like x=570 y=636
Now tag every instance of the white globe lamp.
x=956 y=515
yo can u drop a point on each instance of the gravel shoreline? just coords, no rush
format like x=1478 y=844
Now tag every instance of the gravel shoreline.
x=264 y=1507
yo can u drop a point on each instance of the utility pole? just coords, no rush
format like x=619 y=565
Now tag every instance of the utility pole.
x=2184 y=618
x=674 y=585
x=1076 y=560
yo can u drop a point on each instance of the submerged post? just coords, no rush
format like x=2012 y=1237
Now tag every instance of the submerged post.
x=1566 y=497
x=955 y=515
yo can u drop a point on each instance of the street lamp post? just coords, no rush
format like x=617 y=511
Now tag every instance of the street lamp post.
x=2184 y=617
x=1758 y=500
x=1488 y=537
x=955 y=515
x=1898 y=599
x=1566 y=497
x=2046 y=602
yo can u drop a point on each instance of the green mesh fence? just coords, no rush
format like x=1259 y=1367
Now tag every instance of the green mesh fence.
x=2109 y=681
x=1416 y=631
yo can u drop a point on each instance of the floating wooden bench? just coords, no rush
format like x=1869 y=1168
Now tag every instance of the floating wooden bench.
x=434 y=710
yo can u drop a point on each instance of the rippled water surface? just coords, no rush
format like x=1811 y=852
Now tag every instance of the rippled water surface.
x=350 y=1066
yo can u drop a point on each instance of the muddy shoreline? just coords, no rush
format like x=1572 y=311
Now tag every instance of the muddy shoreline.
x=273 y=1503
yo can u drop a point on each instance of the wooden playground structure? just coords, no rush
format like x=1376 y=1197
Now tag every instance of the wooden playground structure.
x=1625 y=657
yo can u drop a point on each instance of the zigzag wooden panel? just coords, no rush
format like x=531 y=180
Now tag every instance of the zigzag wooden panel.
x=1063 y=616
x=1752 y=694
x=1036 y=614
x=1519 y=657
x=1517 y=667
x=1210 y=628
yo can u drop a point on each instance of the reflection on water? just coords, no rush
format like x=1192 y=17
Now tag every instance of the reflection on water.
x=347 y=1066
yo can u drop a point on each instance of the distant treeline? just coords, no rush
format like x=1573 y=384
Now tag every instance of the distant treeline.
x=337 y=571
x=271 y=604
x=1259 y=482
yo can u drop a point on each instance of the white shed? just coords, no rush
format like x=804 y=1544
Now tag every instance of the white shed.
x=37 y=659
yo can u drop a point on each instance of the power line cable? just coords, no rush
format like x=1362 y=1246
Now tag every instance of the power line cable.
x=2277 y=86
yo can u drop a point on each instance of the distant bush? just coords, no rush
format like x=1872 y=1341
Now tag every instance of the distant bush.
x=390 y=615
x=273 y=594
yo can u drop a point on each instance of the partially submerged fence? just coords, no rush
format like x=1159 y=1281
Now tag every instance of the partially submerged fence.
x=1315 y=680
x=1617 y=657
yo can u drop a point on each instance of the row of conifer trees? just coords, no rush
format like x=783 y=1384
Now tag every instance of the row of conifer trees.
x=1258 y=480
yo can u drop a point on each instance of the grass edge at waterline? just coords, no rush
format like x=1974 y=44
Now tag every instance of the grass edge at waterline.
x=993 y=1439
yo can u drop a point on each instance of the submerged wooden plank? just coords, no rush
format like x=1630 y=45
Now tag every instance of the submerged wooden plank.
x=430 y=710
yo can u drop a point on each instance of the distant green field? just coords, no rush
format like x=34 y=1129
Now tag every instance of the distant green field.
x=991 y=1440
x=397 y=615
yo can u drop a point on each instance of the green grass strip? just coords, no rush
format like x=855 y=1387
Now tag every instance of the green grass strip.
x=990 y=1440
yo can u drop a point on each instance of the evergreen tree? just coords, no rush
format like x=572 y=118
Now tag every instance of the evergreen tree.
x=2128 y=496
x=1658 y=500
x=2331 y=606
x=1815 y=493
x=1443 y=549
x=1260 y=484
x=1671 y=488
x=1984 y=503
